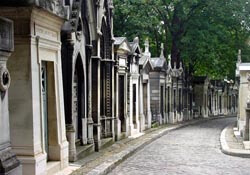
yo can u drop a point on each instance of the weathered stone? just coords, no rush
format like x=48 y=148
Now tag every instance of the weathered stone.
x=54 y=6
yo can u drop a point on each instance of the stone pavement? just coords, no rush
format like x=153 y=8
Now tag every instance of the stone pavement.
x=232 y=144
x=191 y=150
x=104 y=161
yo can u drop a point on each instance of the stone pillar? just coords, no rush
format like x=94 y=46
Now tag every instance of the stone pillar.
x=70 y=134
x=149 y=117
x=113 y=102
x=141 y=110
x=90 y=120
x=117 y=120
x=9 y=164
x=98 y=124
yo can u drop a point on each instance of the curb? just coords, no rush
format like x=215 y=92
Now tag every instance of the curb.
x=229 y=151
x=118 y=158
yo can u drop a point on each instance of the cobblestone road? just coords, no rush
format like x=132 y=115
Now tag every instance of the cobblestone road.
x=193 y=150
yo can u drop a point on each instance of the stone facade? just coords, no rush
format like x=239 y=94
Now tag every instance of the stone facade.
x=102 y=73
x=201 y=96
x=122 y=56
x=158 y=87
x=9 y=164
x=76 y=55
x=146 y=67
x=36 y=106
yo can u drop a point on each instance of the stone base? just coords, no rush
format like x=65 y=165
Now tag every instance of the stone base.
x=34 y=164
x=117 y=129
x=9 y=164
x=246 y=145
x=172 y=118
x=133 y=130
x=142 y=122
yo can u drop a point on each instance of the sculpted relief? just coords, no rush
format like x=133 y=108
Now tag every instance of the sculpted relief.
x=55 y=6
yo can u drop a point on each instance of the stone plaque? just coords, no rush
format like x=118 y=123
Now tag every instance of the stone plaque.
x=6 y=35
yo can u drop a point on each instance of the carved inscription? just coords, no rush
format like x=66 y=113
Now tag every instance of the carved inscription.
x=46 y=33
x=6 y=35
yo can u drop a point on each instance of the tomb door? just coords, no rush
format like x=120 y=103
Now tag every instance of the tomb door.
x=145 y=100
x=161 y=101
x=122 y=103
x=134 y=104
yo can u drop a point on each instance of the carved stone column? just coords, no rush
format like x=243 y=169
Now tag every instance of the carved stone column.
x=70 y=134
x=141 y=107
x=9 y=164
x=90 y=120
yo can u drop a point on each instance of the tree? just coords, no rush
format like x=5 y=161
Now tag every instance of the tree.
x=204 y=34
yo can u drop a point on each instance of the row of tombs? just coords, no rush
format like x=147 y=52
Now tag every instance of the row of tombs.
x=75 y=88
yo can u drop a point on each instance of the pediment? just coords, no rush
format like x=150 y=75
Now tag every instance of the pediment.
x=124 y=46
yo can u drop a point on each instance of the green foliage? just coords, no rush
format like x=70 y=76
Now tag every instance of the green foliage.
x=204 y=34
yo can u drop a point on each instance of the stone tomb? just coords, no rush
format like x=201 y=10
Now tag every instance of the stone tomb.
x=36 y=96
x=9 y=164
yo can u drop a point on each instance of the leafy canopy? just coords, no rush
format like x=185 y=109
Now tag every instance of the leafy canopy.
x=204 y=34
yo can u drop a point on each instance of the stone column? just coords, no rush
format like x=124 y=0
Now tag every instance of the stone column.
x=9 y=164
x=113 y=101
x=149 y=117
x=117 y=120
x=141 y=110
x=90 y=120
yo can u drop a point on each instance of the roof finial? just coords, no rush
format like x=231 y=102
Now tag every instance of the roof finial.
x=162 y=50
x=136 y=40
x=169 y=59
x=174 y=65
x=239 y=56
x=147 y=53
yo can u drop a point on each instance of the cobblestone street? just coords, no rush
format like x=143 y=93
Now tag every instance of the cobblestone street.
x=190 y=150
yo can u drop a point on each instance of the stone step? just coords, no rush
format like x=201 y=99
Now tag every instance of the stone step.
x=84 y=151
x=123 y=135
x=106 y=142
x=53 y=167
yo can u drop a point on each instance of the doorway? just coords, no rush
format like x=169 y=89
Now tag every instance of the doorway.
x=49 y=114
x=134 y=105
x=162 y=102
x=78 y=105
x=44 y=83
x=145 y=101
x=122 y=103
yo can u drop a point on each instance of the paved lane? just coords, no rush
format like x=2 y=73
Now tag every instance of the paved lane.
x=193 y=150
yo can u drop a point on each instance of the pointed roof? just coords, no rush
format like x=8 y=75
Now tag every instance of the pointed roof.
x=122 y=43
x=119 y=40
x=158 y=62
x=135 y=45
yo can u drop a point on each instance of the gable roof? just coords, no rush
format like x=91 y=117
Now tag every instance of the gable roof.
x=144 y=60
x=122 y=43
x=158 y=62
x=119 y=40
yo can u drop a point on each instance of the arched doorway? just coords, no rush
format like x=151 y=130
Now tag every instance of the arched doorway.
x=78 y=103
x=106 y=82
